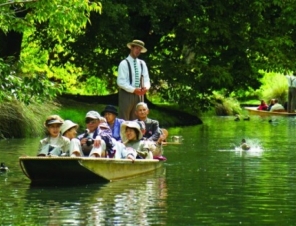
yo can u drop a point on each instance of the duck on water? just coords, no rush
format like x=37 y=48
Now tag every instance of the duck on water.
x=244 y=145
x=3 y=168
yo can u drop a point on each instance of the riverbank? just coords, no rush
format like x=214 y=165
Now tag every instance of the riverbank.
x=75 y=107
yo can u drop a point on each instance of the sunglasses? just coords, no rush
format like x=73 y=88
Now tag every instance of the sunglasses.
x=90 y=121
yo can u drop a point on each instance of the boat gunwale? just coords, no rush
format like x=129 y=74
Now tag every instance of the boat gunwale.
x=48 y=158
x=271 y=113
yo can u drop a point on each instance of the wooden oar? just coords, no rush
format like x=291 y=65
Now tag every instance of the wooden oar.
x=141 y=84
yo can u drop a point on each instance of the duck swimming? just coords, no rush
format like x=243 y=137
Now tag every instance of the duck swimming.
x=247 y=118
x=244 y=145
x=3 y=168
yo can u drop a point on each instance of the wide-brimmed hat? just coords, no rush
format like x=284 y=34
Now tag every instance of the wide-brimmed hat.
x=68 y=124
x=137 y=43
x=110 y=109
x=93 y=114
x=129 y=124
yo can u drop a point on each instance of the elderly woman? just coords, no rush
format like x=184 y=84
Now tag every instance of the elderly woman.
x=110 y=114
x=131 y=135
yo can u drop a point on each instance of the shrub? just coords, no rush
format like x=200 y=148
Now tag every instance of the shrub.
x=19 y=120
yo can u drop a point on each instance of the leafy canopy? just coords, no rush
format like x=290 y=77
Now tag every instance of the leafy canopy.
x=61 y=21
x=194 y=47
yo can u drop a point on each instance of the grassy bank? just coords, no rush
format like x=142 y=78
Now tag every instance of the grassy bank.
x=76 y=112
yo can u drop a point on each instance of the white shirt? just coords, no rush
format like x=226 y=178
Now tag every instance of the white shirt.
x=123 y=78
x=277 y=106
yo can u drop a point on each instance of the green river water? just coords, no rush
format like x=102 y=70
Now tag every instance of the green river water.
x=207 y=180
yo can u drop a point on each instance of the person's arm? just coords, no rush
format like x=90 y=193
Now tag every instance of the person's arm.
x=154 y=130
x=66 y=144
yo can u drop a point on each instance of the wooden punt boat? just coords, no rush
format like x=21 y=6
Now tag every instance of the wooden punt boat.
x=254 y=111
x=61 y=170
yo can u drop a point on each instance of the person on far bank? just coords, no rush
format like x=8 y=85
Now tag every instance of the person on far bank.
x=152 y=132
x=54 y=144
x=110 y=114
x=133 y=80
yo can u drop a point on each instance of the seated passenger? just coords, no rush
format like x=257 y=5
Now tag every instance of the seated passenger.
x=54 y=144
x=118 y=150
x=263 y=106
x=93 y=141
x=277 y=106
x=110 y=113
x=156 y=147
x=152 y=126
x=69 y=129
x=131 y=134
x=163 y=136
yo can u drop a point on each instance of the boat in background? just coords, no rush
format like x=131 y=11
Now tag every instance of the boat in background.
x=254 y=111
x=77 y=170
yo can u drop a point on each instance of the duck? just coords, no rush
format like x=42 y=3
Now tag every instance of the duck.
x=237 y=118
x=3 y=168
x=247 y=118
x=244 y=145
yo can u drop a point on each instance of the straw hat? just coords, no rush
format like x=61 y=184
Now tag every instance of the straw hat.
x=137 y=43
x=68 y=124
x=130 y=124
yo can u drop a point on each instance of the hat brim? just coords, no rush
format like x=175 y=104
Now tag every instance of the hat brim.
x=130 y=124
x=55 y=121
x=130 y=44
x=113 y=112
x=67 y=126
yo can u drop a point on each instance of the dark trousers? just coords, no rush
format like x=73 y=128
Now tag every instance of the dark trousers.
x=127 y=105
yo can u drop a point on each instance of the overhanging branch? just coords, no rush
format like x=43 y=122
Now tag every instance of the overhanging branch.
x=13 y=2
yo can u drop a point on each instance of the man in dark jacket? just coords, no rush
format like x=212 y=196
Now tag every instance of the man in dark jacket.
x=152 y=126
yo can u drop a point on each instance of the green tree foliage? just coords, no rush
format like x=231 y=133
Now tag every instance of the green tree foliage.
x=194 y=47
x=60 y=20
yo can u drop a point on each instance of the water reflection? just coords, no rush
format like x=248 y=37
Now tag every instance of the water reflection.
x=135 y=200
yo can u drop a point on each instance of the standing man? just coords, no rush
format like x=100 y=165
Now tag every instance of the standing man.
x=133 y=80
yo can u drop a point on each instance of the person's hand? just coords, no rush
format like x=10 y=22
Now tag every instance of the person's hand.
x=140 y=91
x=131 y=157
x=97 y=142
x=83 y=141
